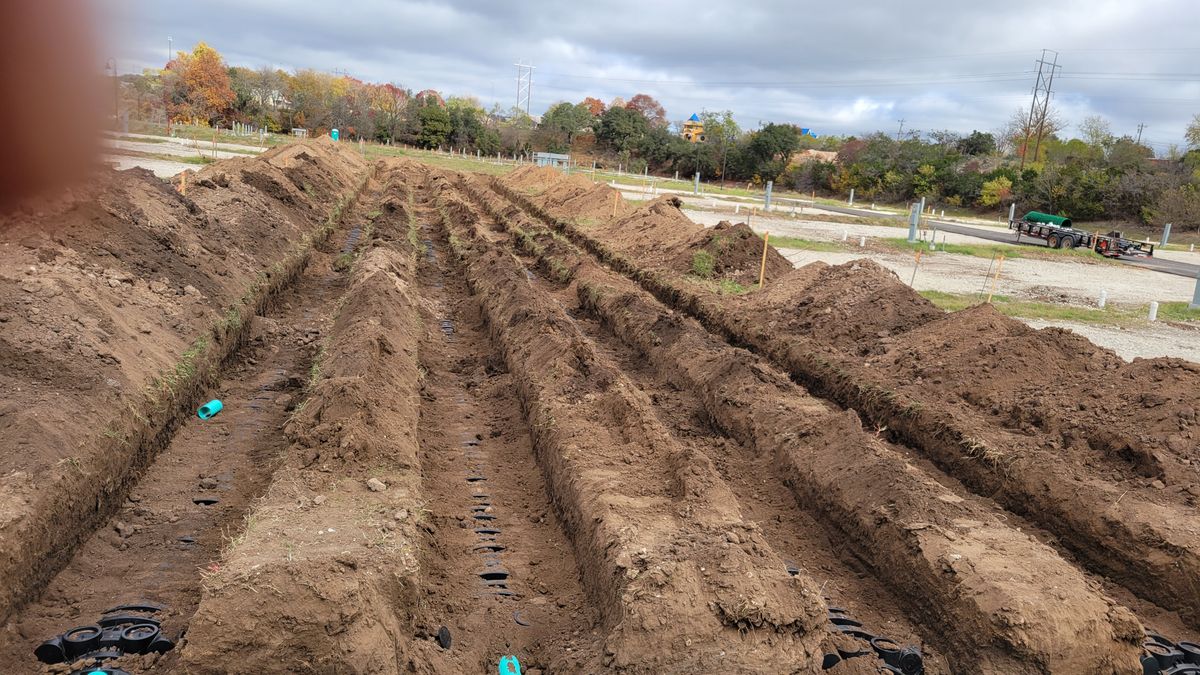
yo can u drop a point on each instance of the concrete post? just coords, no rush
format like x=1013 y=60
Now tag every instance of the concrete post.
x=1012 y=212
x=1153 y=311
x=696 y=186
x=862 y=241
x=914 y=216
x=767 y=196
x=1166 y=234
x=1103 y=299
x=851 y=203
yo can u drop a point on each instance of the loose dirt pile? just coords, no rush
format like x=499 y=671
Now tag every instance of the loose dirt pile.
x=573 y=197
x=733 y=252
x=113 y=301
x=1056 y=386
x=854 y=307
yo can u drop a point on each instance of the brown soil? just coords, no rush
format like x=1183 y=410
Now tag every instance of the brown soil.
x=572 y=197
x=761 y=408
x=1045 y=422
x=321 y=553
x=736 y=252
x=451 y=435
x=854 y=307
x=116 y=303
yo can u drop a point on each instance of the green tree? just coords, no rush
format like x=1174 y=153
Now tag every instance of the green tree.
x=721 y=131
x=977 y=143
x=434 y=121
x=620 y=128
x=996 y=191
x=564 y=121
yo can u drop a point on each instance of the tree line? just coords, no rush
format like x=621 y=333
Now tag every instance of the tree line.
x=1099 y=176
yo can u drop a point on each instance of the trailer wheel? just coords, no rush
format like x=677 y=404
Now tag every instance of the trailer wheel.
x=1066 y=242
x=1052 y=241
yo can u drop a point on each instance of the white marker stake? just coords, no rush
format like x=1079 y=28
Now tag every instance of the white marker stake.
x=1103 y=299
x=1153 y=311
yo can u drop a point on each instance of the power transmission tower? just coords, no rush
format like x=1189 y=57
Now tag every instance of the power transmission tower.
x=1141 y=125
x=524 y=84
x=1040 y=106
x=901 y=129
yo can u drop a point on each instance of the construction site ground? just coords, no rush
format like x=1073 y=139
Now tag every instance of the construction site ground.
x=468 y=417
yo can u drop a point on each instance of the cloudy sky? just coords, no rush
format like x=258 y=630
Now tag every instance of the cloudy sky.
x=837 y=67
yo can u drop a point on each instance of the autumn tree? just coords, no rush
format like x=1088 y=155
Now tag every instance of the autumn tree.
x=594 y=105
x=205 y=81
x=1192 y=134
x=650 y=108
x=387 y=102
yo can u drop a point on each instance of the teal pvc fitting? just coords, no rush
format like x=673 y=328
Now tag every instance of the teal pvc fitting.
x=209 y=409
x=509 y=666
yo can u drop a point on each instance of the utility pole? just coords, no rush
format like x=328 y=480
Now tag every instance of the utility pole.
x=524 y=84
x=1040 y=106
x=169 y=51
x=1141 y=126
x=901 y=129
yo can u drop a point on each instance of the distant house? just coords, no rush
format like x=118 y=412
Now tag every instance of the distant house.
x=693 y=129
x=553 y=159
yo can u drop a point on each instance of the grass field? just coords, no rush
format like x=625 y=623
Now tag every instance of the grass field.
x=1111 y=315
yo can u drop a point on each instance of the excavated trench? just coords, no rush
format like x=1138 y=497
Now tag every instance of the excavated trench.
x=192 y=498
x=490 y=445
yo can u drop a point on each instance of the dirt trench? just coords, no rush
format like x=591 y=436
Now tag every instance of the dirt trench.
x=838 y=472
x=680 y=580
x=189 y=505
x=1145 y=543
x=499 y=572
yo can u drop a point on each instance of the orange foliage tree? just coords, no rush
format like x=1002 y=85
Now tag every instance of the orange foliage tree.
x=197 y=85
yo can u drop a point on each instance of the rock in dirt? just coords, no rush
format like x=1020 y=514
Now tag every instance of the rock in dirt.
x=123 y=529
x=208 y=483
x=376 y=485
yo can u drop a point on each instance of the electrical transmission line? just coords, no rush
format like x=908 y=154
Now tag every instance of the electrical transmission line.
x=1040 y=106
x=524 y=84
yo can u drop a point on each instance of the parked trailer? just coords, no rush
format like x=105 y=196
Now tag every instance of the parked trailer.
x=1058 y=233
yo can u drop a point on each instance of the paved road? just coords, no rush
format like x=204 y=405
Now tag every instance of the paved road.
x=1157 y=264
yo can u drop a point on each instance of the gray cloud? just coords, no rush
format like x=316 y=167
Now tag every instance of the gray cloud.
x=847 y=67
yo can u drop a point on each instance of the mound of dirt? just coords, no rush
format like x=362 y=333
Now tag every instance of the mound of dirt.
x=569 y=197
x=854 y=307
x=652 y=233
x=728 y=251
x=1056 y=385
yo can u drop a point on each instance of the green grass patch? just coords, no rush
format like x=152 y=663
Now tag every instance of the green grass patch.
x=182 y=159
x=1111 y=315
x=805 y=244
x=992 y=250
x=731 y=287
x=703 y=264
